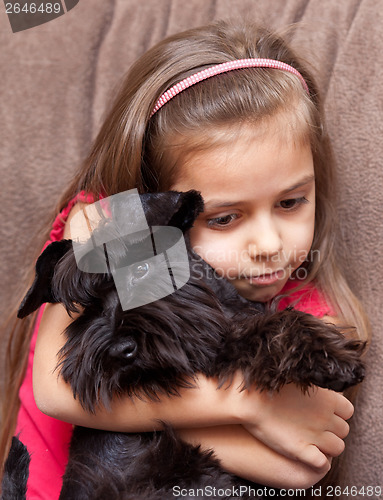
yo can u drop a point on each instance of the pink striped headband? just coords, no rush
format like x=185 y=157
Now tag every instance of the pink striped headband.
x=223 y=68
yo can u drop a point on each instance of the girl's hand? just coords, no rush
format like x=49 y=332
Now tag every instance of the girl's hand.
x=241 y=454
x=306 y=427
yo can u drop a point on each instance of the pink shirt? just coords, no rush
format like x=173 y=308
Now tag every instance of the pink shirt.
x=46 y=438
x=309 y=300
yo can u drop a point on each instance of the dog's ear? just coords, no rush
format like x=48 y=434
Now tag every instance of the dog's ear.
x=172 y=208
x=41 y=289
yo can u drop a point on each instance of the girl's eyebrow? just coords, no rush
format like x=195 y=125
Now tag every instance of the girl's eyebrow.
x=219 y=204
x=222 y=204
x=306 y=180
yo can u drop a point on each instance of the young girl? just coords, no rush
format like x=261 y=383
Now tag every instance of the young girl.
x=250 y=137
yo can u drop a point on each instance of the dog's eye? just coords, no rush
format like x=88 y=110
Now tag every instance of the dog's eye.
x=141 y=270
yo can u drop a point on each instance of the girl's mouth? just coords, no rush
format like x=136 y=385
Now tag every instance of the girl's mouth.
x=267 y=279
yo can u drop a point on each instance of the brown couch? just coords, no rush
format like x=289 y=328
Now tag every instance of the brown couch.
x=57 y=78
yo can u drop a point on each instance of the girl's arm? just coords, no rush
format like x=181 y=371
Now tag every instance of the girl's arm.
x=293 y=424
x=242 y=454
x=304 y=428
x=201 y=416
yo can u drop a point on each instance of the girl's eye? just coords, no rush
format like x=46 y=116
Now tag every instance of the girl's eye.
x=293 y=203
x=222 y=221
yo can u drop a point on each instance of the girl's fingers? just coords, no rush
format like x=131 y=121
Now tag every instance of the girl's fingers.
x=312 y=456
x=339 y=427
x=331 y=445
x=344 y=408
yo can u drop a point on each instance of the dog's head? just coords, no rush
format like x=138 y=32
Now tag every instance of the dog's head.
x=140 y=350
x=132 y=252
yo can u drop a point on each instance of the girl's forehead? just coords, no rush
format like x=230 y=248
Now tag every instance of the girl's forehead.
x=278 y=134
x=251 y=165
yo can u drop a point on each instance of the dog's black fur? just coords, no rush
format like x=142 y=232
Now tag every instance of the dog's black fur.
x=153 y=350
x=14 y=484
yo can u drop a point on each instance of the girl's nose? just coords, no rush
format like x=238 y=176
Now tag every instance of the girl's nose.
x=264 y=241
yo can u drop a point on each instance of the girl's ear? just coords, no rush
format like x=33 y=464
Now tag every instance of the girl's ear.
x=41 y=289
x=172 y=208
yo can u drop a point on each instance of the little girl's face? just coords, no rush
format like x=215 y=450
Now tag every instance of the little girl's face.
x=258 y=222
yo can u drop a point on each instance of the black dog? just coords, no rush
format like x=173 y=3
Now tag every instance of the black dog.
x=156 y=348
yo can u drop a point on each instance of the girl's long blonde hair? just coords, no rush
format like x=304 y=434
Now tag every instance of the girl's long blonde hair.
x=134 y=150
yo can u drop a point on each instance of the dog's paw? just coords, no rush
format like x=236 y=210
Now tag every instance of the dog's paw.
x=337 y=371
x=327 y=357
x=290 y=346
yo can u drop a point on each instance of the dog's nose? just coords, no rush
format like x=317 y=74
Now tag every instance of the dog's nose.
x=127 y=349
x=130 y=348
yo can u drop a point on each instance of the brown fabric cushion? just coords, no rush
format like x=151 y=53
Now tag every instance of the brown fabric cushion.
x=58 y=77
